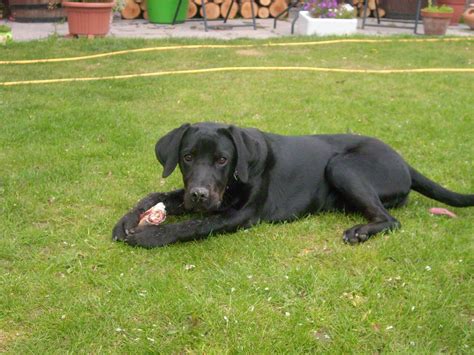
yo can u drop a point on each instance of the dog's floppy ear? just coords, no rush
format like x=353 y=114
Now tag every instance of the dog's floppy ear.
x=167 y=149
x=251 y=152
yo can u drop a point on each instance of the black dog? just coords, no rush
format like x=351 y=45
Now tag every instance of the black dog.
x=239 y=177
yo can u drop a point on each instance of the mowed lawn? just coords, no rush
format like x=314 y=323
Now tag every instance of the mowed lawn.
x=76 y=156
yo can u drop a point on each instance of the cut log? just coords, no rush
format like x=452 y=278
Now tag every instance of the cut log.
x=246 y=10
x=361 y=12
x=265 y=2
x=225 y=7
x=131 y=10
x=200 y=2
x=213 y=11
x=143 y=5
x=381 y=12
x=145 y=14
x=371 y=4
x=277 y=7
x=192 y=9
x=263 y=12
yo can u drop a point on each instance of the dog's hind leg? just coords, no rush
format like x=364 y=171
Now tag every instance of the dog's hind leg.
x=360 y=191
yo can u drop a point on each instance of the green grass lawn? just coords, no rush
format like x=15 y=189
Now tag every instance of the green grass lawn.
x=75 y=157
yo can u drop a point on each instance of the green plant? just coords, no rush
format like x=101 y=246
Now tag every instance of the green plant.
x=329 y=9
x=119 y=5
x=438 y=9
x=5 y=34
x=346 y=11
x=5 y=29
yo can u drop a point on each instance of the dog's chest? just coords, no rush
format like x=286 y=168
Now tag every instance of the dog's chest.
x=295 y=196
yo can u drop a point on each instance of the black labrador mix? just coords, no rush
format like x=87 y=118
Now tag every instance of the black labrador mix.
x=240 y=176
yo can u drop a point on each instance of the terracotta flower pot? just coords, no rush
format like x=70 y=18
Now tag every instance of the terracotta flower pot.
x=88 y=19
x=469 y=17
x=435 y=23
x=458 y=7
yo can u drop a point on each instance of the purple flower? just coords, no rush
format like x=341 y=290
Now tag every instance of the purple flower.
x=323 y=8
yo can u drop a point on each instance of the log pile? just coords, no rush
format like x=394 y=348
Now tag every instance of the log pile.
x=134 y=9
x=218 y=8
x=371 y=8
x=215 y=9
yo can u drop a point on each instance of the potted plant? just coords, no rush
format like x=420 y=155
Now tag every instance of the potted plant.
x=166 y=11
x=89 y=17
x=327 y=17
x=458 y=8
x=468 y=16
x=5 y=34
x=436 y=18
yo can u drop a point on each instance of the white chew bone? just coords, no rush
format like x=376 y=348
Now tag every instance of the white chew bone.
x=154 y=216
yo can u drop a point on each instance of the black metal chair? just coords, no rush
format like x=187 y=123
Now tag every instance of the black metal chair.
x=293 y=4
x=379 y=24
x=205 y=19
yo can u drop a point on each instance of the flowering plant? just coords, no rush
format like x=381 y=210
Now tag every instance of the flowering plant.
x=328 y=9
x=5 y=34
x=442 y=8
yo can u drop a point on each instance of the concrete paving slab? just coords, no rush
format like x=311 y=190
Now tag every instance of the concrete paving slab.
x=195 y=29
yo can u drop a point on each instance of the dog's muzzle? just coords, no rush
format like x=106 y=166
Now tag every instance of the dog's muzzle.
x=199 y=195
x=201 y=199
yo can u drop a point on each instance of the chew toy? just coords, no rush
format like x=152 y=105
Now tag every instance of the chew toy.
x=153 y=216
x=442 y=211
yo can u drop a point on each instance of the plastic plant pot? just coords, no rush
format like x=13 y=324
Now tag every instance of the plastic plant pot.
x=163 y=11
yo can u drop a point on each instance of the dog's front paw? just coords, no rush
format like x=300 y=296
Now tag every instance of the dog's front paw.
x=124 y=226
x=149 y=237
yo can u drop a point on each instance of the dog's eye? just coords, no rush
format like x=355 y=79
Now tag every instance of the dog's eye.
x=222 y=160
x=188 y=157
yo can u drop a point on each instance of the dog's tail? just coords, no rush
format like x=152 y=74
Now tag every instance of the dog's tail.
x=425 y=186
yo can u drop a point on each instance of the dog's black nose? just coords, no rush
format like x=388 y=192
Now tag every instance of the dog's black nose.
x=199 y=194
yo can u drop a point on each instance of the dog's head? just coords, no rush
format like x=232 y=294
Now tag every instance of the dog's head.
x=210 y=156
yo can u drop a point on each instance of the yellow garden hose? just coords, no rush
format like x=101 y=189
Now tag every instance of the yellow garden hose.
x=223 y=46
x=233 y=69
x=230 y=69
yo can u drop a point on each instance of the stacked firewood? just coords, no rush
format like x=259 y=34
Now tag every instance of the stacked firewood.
x=214 y=8
x=218 y=8
x=371 y=8
x=134 y=9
